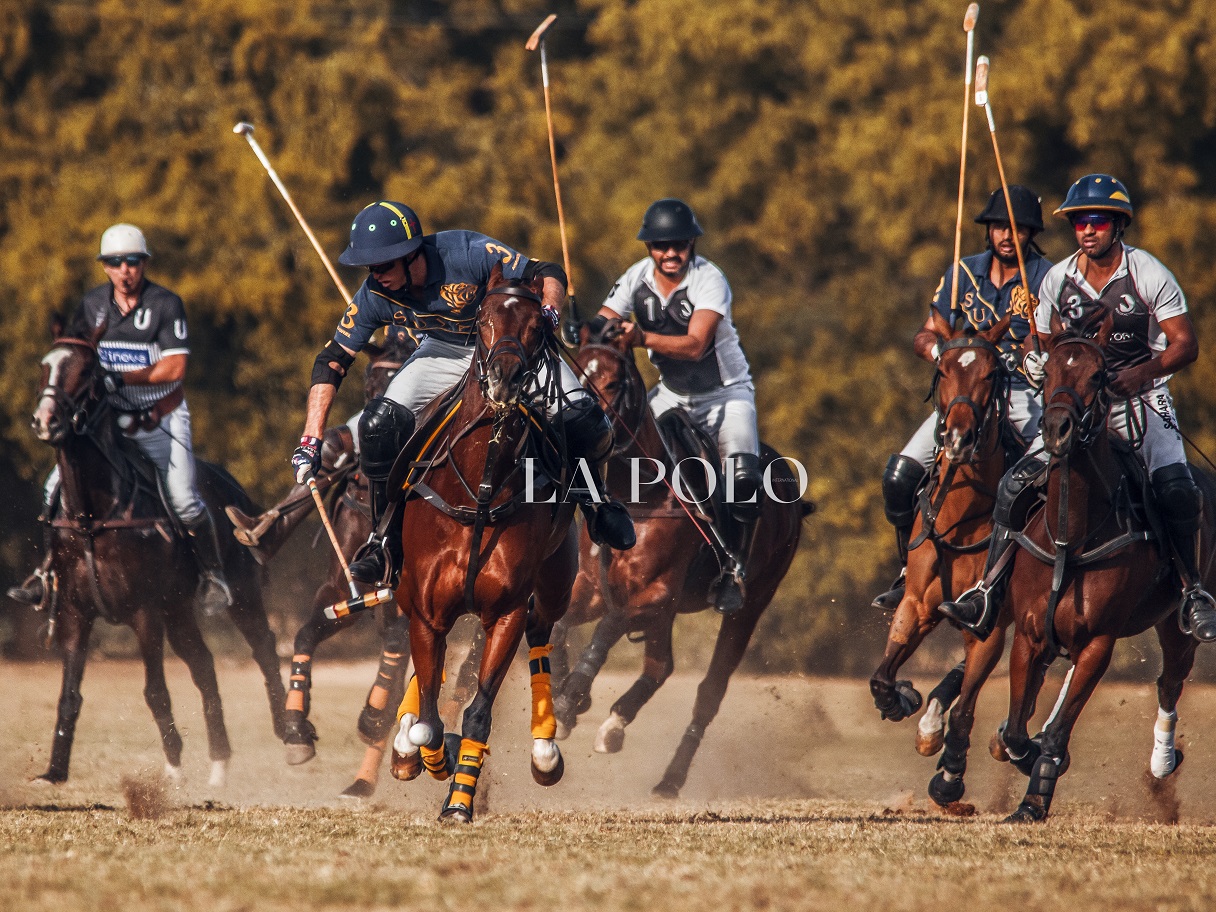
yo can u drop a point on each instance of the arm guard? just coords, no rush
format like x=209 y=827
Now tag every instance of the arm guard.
x=545 y=270
x=331 y=364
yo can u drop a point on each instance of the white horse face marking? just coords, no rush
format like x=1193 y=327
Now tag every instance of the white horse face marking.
x=967 y=359
x=44 y=411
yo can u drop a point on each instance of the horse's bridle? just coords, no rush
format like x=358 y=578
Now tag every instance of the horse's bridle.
x=998 y=402
x=623 y=400
x=1090 y=419
x=73 y=411
x=510 y=345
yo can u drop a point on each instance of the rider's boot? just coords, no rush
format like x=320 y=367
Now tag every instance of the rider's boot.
x=978 y=608
x=745 y=509
x=589 y=440
x=34 y=590
x=1181 y=506
x=900 y=482
x=384 y=430
x=213 y=593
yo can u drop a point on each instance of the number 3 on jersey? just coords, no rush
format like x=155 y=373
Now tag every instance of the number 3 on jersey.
x=348 y=318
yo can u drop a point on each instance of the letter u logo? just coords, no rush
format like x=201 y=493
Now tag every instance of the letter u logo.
x=179 y=329
x=143 y=318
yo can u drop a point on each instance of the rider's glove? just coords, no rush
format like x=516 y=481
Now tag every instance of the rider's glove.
x=1034 y=365
x=552 y=315
x=306 y=460
x=113 y=381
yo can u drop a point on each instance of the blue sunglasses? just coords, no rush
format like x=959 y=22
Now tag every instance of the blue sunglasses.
x=131 y=259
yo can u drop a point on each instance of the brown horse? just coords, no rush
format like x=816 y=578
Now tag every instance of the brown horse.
x=1090 y=570
x=669 y=571
x=476 y=542
x=116 y=555
x=949 y=546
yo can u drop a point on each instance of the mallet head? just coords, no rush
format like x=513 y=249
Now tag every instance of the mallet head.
x=243 y=129
x=973 y=13
x=539 y=35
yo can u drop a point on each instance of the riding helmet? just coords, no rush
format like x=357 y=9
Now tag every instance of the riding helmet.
x=123 y=239
x=1027 y=208
x=1097 y=192
x=669 y=220
x=382 y=232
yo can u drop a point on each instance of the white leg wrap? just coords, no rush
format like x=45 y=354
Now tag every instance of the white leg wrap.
x=174 y=774
x=219 y=774
x=545 y=754
x=402 y=743
x=1163 y=760
x=610 y=735
x=933 y=722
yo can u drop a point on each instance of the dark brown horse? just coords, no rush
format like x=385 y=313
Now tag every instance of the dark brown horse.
x=474 y=544
x=1089 y=571
x=116 y=556
x=669 y=571
x=350 y=516
x=949 y=546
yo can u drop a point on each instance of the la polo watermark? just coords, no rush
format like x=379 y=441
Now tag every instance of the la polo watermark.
x=706 y=478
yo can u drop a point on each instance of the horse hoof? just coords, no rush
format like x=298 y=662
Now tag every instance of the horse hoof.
x=553 y=777
x=563 y=731
x=299 y=753
x=361 y=788
x=611 y=736
x=48 y=779
x=945 y=792
x=373 y=724
x=219 y=774
x=996 y=746
x=666 y=791
x=405 y=766
x=928 y=744
x=455 y=815
x=1027 y=813
x=583 y=705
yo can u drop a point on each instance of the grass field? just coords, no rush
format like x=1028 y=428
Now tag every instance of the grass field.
x=800 y=799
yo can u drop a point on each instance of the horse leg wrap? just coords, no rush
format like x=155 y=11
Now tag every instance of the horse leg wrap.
x=544 y=724
x=1043 y=779
x=301 y=684
x=409 y=702
x=1163 y=761
x=372 y=722
x=435 y=759
x=947 y=691
x=954 y=758
x=471 y=756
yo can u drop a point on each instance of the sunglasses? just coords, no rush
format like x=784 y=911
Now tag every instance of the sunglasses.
x=131 y=259
x=1099 y=222
x=677 y=246
x=380 y=268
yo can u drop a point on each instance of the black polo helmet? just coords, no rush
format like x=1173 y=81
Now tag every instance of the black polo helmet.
x=669 y=220
x=1027 y=208
x=382 y=232
x=1097 y=193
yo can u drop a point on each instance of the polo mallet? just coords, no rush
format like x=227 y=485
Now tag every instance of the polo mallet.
x=359 y=603
x=981 y=99
x=973 y=13
x=246 y=130
x=333 y=538
x=537 y=40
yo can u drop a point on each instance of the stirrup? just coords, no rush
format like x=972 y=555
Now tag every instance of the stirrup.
x=25 y=594
x=980 y=626
x=729 y=592
x=373 y=564
x=1197 y=599
x=889 y=600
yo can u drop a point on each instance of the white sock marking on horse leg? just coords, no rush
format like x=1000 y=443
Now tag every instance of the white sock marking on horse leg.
x=175 y=775
x=933 y=722
x=1164 y=756
x=402 y=744
x=545 y=754
x=219 y=774
x=613 y=727
x=1055 y=710
x=949 y=776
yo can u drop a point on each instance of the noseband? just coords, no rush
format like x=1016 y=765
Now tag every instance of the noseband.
x=73 y=411
x=624 y=400
x=998 y=402
x=1090 y=419
x=484 y=356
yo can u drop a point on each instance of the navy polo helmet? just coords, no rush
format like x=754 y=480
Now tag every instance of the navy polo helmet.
x=382 y=232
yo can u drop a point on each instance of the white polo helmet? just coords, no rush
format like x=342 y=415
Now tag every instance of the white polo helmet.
x=121 y=239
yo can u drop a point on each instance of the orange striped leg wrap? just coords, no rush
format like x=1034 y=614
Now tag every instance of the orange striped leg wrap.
x=301 y=678
x=435 y=760
x=378 y=697
x=464 y=781
x=411 y=700
x=544 y=724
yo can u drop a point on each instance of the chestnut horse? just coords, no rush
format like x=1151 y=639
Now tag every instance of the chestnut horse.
x=1088 y=572
x=116 y=555
x=949 y=546
x=476 y=540
x=668 y=572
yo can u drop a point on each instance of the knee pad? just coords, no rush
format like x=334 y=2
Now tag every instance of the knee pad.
x=1012 y=499
x=1177 y=494
x=384 y=430
x=748 y=480
x=902 y=477
x=588 y=430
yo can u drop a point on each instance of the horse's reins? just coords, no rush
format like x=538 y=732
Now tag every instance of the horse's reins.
x=617 y=415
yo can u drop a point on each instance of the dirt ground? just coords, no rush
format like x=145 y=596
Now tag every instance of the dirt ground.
x=799 y=798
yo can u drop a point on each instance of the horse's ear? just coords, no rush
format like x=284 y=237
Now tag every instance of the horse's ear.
x=994 y=333
x=940 y=326
x=496 y=278
x=56 y=325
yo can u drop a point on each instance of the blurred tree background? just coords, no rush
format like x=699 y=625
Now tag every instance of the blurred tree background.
x=817 y=141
